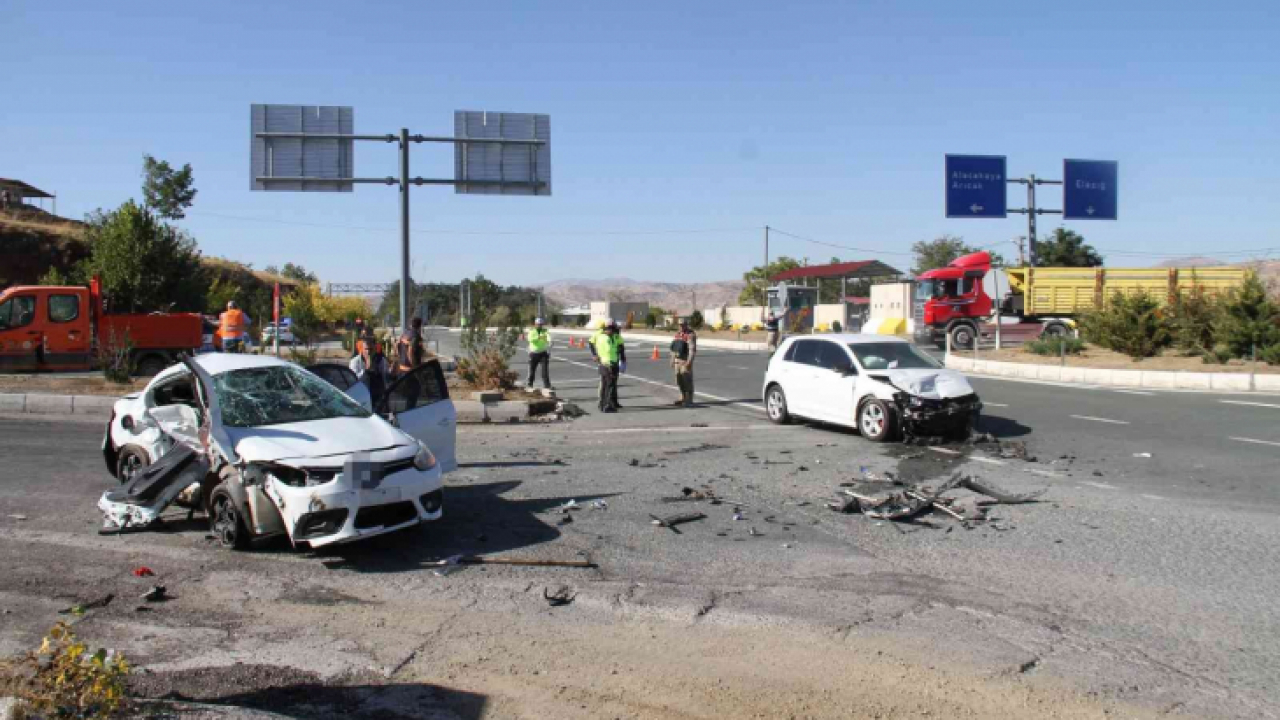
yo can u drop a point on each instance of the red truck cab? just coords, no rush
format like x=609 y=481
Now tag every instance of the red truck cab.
x=62 y=328
x=952 y=297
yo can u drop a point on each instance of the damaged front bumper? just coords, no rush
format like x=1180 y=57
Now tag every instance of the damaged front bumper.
x=930 y=417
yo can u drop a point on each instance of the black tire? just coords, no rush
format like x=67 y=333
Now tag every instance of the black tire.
x=963 y=336
x=775 y=405
x=1055 y=330
x=225 y=521
x=877 y=421
x=151 y=365
x=129 y=461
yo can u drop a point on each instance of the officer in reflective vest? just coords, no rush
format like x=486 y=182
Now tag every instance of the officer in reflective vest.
x=539 y=354
x=611 y=357
x=232 y=326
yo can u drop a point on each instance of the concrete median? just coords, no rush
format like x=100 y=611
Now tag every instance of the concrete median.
x=1154 y=379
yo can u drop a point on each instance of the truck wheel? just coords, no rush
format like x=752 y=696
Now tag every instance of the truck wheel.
x=963 y=336
x=877 y=421
x=130 y=461
x=151 y=365
x=1055 y=330
x=775 y=404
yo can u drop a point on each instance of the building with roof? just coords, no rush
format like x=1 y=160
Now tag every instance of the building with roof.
x=21 y=193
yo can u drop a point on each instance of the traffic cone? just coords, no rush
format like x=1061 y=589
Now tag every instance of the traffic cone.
x=654 y=356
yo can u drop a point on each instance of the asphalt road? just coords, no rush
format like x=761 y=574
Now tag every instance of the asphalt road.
x=1218 y=444
x=1146 y=589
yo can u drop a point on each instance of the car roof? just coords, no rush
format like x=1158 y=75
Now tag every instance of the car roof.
x=852 y=338
x=218 y=363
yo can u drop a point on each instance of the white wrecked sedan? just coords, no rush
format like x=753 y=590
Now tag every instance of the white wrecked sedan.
x=879 y=385
x=280 y=451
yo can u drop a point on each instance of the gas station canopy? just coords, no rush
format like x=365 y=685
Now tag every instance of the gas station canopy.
x=851 y=270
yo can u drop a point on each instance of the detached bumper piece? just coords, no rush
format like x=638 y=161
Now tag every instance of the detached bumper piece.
x=139 y=503
x=927 y=418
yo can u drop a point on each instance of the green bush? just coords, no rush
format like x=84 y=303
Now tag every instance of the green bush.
x=1249 y=319
x=1129 y=324
x=1270 y=355
x=1055 y=346
x=1192 y=317
x=695 y=320
x=115 y=356
x=67 y=679
x=836 y=326
x=488 y=355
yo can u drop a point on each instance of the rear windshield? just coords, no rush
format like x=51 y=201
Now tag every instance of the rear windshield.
x=892 y=356
x=254 y=397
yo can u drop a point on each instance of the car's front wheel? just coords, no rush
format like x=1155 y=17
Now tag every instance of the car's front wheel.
x=130 y=461
x=775 y=405
x=877 y=421
x=225 y=522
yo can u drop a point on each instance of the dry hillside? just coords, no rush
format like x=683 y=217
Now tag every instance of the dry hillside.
x=669 y=296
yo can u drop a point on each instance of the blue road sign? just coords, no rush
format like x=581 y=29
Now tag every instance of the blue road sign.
x=1090 y=189
x=975 y=186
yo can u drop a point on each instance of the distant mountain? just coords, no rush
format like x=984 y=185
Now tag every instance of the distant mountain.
x=1188 y=262
x=668 y=296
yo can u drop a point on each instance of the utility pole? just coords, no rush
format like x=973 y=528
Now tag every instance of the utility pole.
x=766 y=254
x=1022 y=258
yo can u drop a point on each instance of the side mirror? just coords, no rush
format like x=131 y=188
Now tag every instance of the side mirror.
x=127 y=423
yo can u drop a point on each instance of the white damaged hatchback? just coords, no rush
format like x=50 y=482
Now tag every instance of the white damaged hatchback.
x=274 y=450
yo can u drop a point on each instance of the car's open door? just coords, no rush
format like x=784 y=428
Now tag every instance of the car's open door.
x=418 y=403
x=211 y=430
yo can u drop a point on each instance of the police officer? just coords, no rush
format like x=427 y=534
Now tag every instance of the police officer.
x=611 y=357
x=771 y=333
x=539 y=354
x=684 y=348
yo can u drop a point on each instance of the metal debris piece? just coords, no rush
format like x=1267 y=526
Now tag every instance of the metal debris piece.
x=911 y=502
x=671 y=521
x=81 y=608
x=562 y=596
x=18 y=516
x=157 y=593
x=481 y=560
x=1142 y=455
x=565 y=520
x=143 y=571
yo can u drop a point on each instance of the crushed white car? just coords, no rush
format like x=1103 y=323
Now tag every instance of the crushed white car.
x=268 y=448
x=882 y=386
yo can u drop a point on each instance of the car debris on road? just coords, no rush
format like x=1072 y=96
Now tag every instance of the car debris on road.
x=906 y=502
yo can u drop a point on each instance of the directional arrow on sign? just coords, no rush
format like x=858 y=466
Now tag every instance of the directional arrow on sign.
x=975 y=208
x=1090 y=210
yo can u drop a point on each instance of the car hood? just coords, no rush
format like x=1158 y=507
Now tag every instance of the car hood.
x=316 y=438
x=927 y=383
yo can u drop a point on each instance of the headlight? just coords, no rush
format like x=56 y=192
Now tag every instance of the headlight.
x=424 y=460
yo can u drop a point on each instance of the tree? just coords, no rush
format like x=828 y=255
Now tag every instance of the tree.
x=299 y=274
x=145 y=265
x=304 y=308
x=54 y=277
x=758 y=282
x=219 y=294
x=940 y=251
x=1066 y=248
x=165 y=191
x=1249 y=319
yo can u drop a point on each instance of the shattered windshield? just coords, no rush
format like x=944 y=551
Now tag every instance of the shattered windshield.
x=274 y=395
x=892 y=356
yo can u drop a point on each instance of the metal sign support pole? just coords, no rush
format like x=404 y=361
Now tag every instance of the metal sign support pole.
x=1031 y=181
x=404 y=230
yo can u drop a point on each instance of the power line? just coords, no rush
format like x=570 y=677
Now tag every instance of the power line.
x=835 y=245
x=438 y=231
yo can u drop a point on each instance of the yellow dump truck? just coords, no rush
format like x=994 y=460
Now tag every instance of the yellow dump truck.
x=959 y=300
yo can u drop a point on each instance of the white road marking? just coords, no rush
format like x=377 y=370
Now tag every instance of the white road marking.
x=1045 y=473
x=1101 y=420
x=618 y=431
x=1104 y=486
x=1153 y=497
x=991 y=404
x=737 y=367
x=1134 y=392
x=945 y=451
x=1252 y=440
x=709 y=396
x=987 y=460
x=1253 y=404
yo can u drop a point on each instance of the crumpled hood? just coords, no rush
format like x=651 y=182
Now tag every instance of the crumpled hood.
x=928 y=384
x=316 y=438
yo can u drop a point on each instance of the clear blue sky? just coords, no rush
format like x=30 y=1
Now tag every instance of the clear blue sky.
x=825 y=119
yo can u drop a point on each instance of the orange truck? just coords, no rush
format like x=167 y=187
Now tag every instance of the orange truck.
x=63 y=328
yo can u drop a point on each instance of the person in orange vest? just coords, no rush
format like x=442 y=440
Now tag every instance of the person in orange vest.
x=233 y=323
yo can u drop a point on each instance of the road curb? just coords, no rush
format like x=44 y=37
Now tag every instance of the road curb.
x=1153 y=379
x=48 y=404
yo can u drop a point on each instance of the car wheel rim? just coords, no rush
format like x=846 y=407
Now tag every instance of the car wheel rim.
x=775 y=404
x=131 y=465
x=224 y=524
x=872 y=420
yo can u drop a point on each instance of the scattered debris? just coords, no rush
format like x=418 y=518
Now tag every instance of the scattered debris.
x=697 y=448
x=754 y=533
x=699 y=425
x=643 y=464
x=671 y=521
x=479 y=560
x=569 y=410
x=599 y=505
x=157 y=593
x=913 y=501
x=565 y=508
x=82 y=608
x=565 y=520
x=562 y=596
x=143 y=571
x=1097 y=473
